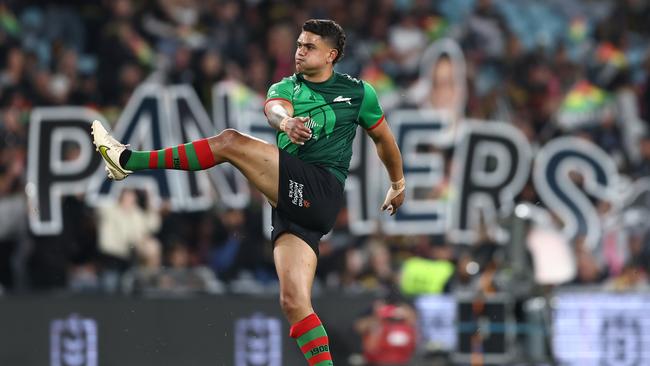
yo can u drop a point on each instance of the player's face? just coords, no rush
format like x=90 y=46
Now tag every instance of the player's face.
x=313 y=53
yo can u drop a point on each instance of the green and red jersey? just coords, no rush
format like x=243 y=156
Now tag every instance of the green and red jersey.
x=335 y=108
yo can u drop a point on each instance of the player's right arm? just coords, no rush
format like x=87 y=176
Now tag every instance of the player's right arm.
x=279 y=113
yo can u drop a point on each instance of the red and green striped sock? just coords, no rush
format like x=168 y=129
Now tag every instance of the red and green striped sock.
x=195 y=155
x=312 y=340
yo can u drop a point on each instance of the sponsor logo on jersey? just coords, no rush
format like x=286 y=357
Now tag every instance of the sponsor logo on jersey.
x=341 y=99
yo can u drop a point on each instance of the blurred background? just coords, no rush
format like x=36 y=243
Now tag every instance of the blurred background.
x=524 y=239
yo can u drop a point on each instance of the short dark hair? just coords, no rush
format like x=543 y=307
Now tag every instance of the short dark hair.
x=329 y=30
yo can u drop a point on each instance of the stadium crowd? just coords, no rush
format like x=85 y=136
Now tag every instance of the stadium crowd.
x=523 y=59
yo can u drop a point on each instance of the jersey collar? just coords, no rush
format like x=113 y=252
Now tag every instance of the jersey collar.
x=322 y=83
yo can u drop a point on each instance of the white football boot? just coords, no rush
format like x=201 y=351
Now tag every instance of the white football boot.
x=110 y=149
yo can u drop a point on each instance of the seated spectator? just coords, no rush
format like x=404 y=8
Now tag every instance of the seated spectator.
x=388 y=333
x=84 y=278
x=144 y=275
x=179 y=278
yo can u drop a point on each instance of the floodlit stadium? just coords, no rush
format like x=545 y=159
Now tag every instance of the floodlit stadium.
x=350 y=183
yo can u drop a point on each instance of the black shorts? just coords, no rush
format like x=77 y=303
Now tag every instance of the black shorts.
x=309 y=199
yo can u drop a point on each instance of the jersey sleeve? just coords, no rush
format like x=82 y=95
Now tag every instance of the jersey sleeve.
x=370 y=114
x=281 y=90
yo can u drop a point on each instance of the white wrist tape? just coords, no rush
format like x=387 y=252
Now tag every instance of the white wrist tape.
x=395 y=189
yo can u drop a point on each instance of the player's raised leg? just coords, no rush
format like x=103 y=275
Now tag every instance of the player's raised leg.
x=256 y=159
x=295 y=263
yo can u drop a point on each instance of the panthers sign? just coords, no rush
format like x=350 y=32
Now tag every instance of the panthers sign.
x=460 y=178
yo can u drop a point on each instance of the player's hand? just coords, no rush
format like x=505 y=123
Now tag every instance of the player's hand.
x=295 y=128
x=394 y=197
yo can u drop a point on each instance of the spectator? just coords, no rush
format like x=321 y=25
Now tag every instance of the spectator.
x=632 y=278
x=123 y=44
x=178 y=278
x=407 y=40
x=123 y=228
x=388 y=333
x=143 y=277
x=589 y=270
x=280 y=46
x=227 y=30
x=427 y=274
x=174 y=22
x=211 y=71
x=13 y=76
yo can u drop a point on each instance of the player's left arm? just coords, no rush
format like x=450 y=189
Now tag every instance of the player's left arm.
x=389 y=153
x=372 y=119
